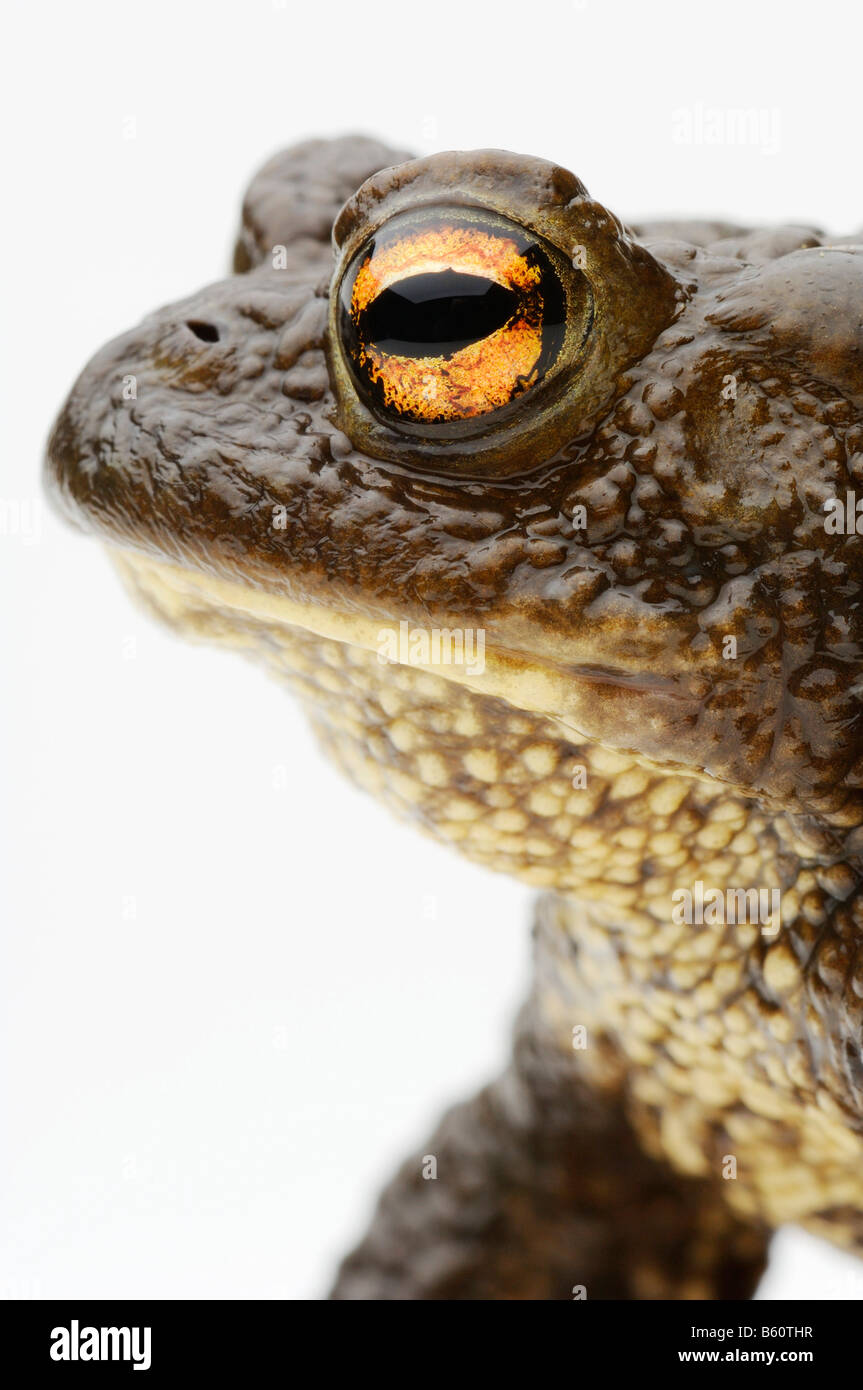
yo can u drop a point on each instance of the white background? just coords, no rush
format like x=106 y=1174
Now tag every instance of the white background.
x=229 y=1009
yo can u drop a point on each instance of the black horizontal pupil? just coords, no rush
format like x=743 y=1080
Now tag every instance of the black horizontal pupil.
x=436 y=314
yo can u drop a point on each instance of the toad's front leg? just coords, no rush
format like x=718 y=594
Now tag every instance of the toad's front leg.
x=537 y=1189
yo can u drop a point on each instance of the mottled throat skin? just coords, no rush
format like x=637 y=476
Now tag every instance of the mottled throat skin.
x=615 y=458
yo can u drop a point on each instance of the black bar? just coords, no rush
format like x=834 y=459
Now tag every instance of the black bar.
x=233 y=1340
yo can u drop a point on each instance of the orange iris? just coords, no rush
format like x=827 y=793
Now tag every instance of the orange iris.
x=473 y=377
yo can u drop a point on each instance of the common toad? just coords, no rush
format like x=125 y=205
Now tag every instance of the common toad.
x=611 y=473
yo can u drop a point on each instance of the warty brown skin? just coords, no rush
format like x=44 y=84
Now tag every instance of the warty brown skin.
x=715 y=406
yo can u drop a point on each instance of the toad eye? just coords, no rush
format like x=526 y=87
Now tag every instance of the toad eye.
x=449 y=315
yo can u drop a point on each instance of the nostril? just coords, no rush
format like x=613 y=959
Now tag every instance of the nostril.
x=207 y=332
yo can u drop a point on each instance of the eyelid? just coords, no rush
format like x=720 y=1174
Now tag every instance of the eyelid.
x=619 y=298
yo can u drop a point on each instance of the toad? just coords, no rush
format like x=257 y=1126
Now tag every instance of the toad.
x=530 y=509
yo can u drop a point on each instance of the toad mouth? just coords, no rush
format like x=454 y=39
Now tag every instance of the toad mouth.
x=572 y=694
